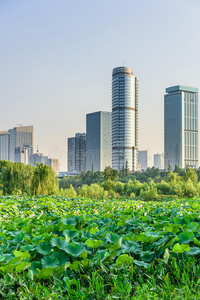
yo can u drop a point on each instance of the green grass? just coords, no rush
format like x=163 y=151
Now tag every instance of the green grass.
x=59 y=248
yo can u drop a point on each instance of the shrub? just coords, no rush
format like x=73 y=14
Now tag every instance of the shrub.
x=149 y=194
x=69 y=192
x=189 y=189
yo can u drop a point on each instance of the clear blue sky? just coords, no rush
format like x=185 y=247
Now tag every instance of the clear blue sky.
x=57 y=56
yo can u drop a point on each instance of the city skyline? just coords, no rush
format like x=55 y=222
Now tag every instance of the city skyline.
x=56 y=63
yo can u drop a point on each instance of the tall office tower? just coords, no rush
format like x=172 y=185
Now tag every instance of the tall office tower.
x=159 y=161
x=77 y=153
x=181 y=127
x=143 y=159
x=80 y=152
x=124 y=118
x=71 y=154
x=98 y=140
x=20 y=137
x=3 y=145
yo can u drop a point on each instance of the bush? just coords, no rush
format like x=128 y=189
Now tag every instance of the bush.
x=133 y=187
x=149 y=194
x=93 y=191
x=69 y=192
x=189 y=189
x=163 y=187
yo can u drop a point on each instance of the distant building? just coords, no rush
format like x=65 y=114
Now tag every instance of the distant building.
x=98 y=140
x=20 y=137
x=159 y=161
x=4 y=138
x=39 y=158
x=22 y=155
x=77 y=153
x=181 y=127
x=143 y=159
x=71 y=154
x=124 y=119
x=55 y=164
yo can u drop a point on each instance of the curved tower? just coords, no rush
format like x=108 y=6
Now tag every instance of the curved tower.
x=124 y=119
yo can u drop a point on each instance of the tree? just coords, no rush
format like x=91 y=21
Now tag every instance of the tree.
x=190 y=174
x=126 y=168
x=44 y=181
x=169 y=168
x=110 y=173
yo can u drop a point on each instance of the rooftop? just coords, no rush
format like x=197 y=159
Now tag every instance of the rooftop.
x=181 y=88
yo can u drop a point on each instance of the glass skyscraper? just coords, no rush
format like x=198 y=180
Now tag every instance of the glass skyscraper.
x=77 y=153
x=181 y=127
x=124 y=118
x=98 y=140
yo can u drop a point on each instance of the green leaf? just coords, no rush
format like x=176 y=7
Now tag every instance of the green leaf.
x=197 y=242
x=94 y=230
x=101 y=255
x=69 y=221
x=193 y=251
x=28 y=247
x=112 y=237
x=2 y=258
x=94 y=243
x=124 y=259
x=30 y=274
x=70 y=233
x=58 y=242
x=115 y=246
x=19 y=238
x=74 y=249
x=180 y=248
x=166 y=256
x=186 y=237
x=50 y=262
x=36 y=266
x=22 y=266
x=43 y=248
x=141 y=263
x=23 y=255
x=45 y=273
x=61 y=256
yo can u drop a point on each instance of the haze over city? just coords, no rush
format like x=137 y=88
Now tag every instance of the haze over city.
x=57 y=57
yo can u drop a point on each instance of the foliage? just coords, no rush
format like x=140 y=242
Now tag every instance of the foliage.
x=110 y=173
x=61 y=248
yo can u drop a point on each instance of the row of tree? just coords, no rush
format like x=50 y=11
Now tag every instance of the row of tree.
x=184 y=185
x=17 y=178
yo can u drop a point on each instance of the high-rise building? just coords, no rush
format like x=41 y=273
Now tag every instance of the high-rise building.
x=20 y=137
x=124 y=118
x=3 y=145
x=71 y=154
x=98 y=140
x=159 y=161
x=80 y=152
x=143 y=159
x=77 y=153
x=181 y=127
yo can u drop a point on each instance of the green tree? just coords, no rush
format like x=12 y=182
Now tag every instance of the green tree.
x=44 y=181
x=126 y=170
x=191 y=174
x=110 y=173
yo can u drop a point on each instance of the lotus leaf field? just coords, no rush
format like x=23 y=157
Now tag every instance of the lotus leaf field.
x=60 y=248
